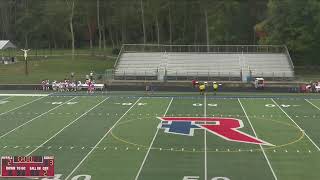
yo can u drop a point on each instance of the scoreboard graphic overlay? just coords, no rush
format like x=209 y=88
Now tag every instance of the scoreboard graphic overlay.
x=27 y=166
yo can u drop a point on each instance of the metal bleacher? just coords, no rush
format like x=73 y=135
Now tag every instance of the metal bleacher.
x=203 y=65
x=160 y=62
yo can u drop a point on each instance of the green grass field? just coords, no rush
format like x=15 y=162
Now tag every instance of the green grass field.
x=116 y=137
x=54 y=68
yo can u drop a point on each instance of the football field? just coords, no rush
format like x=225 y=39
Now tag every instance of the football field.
x=126 y=137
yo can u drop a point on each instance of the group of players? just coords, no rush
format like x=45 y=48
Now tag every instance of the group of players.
x=45 y=85
x=68 y=85
x=203 y=86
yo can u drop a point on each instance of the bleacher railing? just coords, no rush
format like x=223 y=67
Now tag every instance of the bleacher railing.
x=118 y=57
x=205 y=48
x=289 y=58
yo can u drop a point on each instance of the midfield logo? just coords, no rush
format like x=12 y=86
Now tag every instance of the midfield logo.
x=226 y=128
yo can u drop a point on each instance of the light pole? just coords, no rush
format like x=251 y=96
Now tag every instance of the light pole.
x=25 y=55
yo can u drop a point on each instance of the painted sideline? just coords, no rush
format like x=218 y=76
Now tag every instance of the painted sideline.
x=23 y=95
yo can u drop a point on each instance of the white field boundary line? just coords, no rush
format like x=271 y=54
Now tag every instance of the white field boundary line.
x=264 y=153
x=35 y=118
x=21 y=105
x=6 y=98
x=205 y=139
x=151 y=144
x=67 y=126
x=23 y=95
x=97 y=144
x=312 y=104
x=296 y=125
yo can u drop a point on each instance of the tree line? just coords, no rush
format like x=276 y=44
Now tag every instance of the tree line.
x=104 y=23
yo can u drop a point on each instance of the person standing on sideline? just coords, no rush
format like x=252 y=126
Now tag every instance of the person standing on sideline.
x=91 y=75
x=215 y=87
x=193 y=83
x=202 y=89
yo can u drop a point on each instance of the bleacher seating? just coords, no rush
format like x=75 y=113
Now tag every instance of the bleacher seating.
x=203 y=64
x=177 y=64
x=268 y=65
x=138 y=64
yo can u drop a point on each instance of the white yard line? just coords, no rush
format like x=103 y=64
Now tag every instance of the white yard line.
x=66 y=126
x=264 y=153
x=34 y=118
x=205 y=140
x=105 y=135
x=296 y=125
x=154 y=137
x=21 y=105
x=312 y=104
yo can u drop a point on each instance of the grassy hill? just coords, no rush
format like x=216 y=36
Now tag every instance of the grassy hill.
x=54 y=67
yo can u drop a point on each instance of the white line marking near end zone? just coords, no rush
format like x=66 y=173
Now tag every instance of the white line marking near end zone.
x=101 y=140
x=21 y=105
x=34 y=118
x=264 y=153
x=296 y=125
x=67 y=126
x=151 y=144
x=312 y=104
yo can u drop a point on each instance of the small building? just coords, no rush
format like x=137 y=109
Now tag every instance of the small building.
x=5 y=44
x=6 y=57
